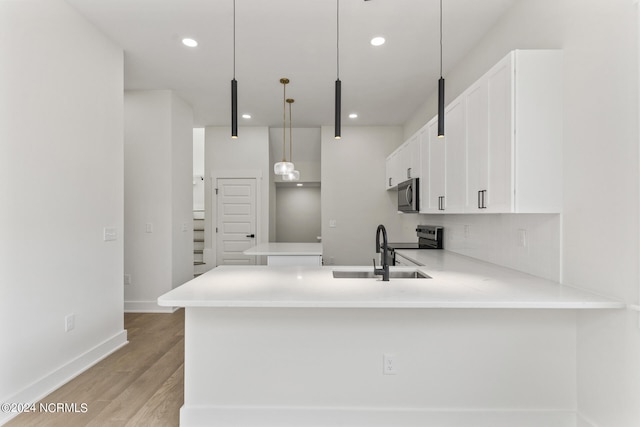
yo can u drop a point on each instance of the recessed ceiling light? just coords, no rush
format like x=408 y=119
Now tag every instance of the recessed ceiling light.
x=377 y=41
x=246 y=116
x=299 y=184
x=353 y=116
x=189 y=42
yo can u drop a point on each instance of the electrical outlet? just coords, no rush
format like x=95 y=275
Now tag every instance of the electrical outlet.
x=467 y=229
x=69 y=322
x=389 y=364
x=332 y=223
x=127 y=279
x=148 y=227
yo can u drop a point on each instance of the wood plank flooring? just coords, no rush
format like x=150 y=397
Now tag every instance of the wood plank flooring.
x=139 y=385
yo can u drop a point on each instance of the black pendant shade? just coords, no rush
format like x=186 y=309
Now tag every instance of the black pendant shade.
x=234 y=108
x=338 y=103
x=441 y=107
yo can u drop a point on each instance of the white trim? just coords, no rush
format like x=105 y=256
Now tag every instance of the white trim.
x=47 y=384
x=146 y=307
x=253 y=416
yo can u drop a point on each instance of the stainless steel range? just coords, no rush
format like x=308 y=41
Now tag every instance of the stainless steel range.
x=429 y=237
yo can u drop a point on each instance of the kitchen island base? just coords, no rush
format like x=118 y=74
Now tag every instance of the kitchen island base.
x=324 y=367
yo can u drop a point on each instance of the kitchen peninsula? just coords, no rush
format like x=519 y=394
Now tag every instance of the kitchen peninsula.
x=285 y=253
x=474 y=344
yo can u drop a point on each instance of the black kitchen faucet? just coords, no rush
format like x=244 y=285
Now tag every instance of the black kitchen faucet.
x=384 y=271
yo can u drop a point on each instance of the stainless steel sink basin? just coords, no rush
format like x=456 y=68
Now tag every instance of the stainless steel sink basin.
x=350 y=274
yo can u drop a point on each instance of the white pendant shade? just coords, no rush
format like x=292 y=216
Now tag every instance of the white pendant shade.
x=282 y=168
x=294 y=175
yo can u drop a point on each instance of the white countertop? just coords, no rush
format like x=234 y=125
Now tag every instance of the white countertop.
x=288 y=249
x=457 y=282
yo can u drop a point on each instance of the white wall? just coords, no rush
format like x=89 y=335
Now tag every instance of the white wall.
x=234 y=158
x=306 y=158
x=298 y=214
x=61 y=184
x=158 y=196
x=353 y=174
x=599 y=39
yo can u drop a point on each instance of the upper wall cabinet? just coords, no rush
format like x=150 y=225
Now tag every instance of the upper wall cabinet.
x=432 y=185
x=403 y=163
x=514 y=135
x=502 y=151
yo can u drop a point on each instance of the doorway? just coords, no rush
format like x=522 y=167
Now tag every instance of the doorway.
x=236 y=220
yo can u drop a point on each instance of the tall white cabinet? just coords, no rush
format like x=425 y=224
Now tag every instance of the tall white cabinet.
x=502 y=150
x=514 y=135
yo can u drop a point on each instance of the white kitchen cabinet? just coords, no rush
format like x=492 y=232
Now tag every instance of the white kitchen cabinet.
x=391 y=166
x=432 y=186
x=403 y=163
x=456 y=157
x=412 y=157
x=444 y=163
x=514 y=135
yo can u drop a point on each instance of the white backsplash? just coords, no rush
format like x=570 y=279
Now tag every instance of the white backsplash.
x=497 y=238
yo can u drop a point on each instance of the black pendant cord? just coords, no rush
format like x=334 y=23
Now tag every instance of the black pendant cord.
x=234 y=83
x=440 y=39
x=441 y=86
x=338 y=99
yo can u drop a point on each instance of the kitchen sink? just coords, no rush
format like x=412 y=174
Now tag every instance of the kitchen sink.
x=360 y=274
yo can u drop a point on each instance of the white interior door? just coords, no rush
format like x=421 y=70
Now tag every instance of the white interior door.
x=236 y=220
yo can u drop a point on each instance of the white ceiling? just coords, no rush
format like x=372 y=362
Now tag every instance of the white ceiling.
x=294 y=39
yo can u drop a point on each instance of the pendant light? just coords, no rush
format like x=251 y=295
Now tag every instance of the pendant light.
x=284 y=166
x=441 y=87
x=294 y=175
x=338 y=83
x=234 y=83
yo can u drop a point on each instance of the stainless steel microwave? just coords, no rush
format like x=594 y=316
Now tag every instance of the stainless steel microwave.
x=409 y=196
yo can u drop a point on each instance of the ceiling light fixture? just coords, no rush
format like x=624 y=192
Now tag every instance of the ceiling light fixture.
x=294 y=175
x=353 y=116
x=441 y=87
x=283 y=167
x=234 y=83
x=246 y=116
x=377 y=41
x=338 y=83
x=189 y=42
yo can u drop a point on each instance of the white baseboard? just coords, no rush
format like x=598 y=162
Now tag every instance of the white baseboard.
x=147 y=307
x=45 y=385
x=227 y=416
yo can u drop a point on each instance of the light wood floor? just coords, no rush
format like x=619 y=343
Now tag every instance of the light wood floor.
x=139 y=385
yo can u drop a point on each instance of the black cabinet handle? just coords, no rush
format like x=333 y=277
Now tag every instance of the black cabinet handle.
x=484 y=199
x=389 y=182
x=441 y=203
x=479 y=197
x=251 y=235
